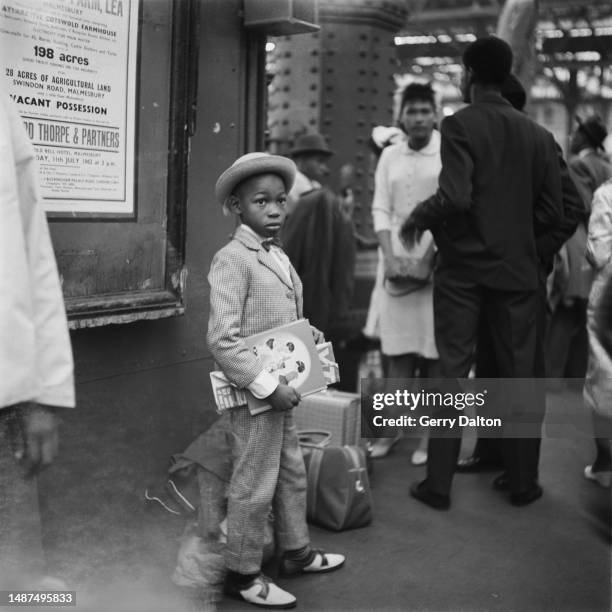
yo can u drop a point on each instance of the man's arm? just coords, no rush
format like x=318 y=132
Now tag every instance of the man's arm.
x=455 y=183
x=548 y=205
x=548 y=242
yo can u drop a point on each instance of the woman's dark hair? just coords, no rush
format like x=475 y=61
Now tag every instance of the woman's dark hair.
x=418 y=91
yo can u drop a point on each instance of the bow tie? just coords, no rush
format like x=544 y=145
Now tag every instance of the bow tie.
x=268 y=242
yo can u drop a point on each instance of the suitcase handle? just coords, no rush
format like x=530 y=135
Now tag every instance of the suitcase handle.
x=308 y=438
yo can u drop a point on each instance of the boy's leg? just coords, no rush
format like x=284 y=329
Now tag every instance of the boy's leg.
x=290 y=512
x=254 y=479
x=290 y=497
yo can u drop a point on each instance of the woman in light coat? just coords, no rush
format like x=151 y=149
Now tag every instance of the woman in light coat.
x=407 y=173
x=598 y=382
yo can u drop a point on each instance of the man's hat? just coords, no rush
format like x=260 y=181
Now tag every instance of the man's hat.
x=594 y=129
x=252 y=164
x=311 y=143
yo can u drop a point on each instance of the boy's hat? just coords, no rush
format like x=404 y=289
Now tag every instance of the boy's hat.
x=310 y=143
x=594 y=129
x=252 y=164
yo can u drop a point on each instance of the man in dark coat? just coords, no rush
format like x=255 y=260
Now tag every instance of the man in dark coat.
x=318 y=238
x=499 y=187
x=487 y=454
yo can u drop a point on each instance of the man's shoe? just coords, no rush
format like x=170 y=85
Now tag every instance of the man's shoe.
x=438 y=501
x=262 y=592
x=475 y=463
x=321 y=563
x=502 y=482
x=526 y=497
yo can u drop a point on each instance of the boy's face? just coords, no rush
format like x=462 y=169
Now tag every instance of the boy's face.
x=261 y=202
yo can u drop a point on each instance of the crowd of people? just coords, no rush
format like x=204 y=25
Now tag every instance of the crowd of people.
x=472 y=220
x=510 y=223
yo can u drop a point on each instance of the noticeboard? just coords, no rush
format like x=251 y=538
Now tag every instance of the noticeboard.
x=106 y=89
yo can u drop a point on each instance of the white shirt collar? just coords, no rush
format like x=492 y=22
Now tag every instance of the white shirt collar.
x=251 y=231
x=431 y=148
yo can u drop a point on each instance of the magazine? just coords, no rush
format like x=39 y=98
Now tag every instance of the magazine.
x=289 y=353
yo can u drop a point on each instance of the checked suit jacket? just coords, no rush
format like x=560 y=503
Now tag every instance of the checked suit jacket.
x=249 y=294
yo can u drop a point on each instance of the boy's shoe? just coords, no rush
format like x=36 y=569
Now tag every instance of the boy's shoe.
x=262 y=592
x=321 y=563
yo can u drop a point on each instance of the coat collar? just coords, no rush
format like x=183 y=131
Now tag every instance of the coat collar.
x=432 y=147
x=492 y=97
x=247 y=237
x=252 y=241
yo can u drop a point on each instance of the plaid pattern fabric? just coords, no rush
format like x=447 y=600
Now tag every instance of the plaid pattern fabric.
x=249 y=294
x=269 y=473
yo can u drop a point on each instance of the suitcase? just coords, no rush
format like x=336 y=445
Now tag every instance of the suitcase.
x=336 y=412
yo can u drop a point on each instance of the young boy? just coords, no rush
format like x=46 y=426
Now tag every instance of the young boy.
x=253 y=288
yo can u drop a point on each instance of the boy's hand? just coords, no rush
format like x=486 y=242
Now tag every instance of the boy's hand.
x=284 y=398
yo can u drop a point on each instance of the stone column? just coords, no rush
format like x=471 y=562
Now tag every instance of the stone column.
x=338 y=81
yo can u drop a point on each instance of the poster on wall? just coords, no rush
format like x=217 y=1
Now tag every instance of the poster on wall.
x=70 y=67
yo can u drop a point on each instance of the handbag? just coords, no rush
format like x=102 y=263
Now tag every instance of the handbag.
x=418 y=266
x=338 y=495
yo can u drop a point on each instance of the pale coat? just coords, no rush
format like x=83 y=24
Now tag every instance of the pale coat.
x=404 y=178
x=35 y=354
x=247 y=298
x=598 y=381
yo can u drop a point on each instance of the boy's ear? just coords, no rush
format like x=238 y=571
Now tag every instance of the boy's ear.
x=233 y=204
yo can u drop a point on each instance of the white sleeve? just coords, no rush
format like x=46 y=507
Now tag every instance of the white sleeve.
x=53 y=353
x=381 y=205
x=599 y=241
x=264 y=385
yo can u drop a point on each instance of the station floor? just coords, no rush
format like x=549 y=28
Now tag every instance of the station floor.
x=481 y=555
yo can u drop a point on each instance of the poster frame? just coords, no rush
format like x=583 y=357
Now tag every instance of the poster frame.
x=125 y=307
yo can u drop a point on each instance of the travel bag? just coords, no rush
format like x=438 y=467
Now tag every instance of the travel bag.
x=338 y=495
x=337 y=412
